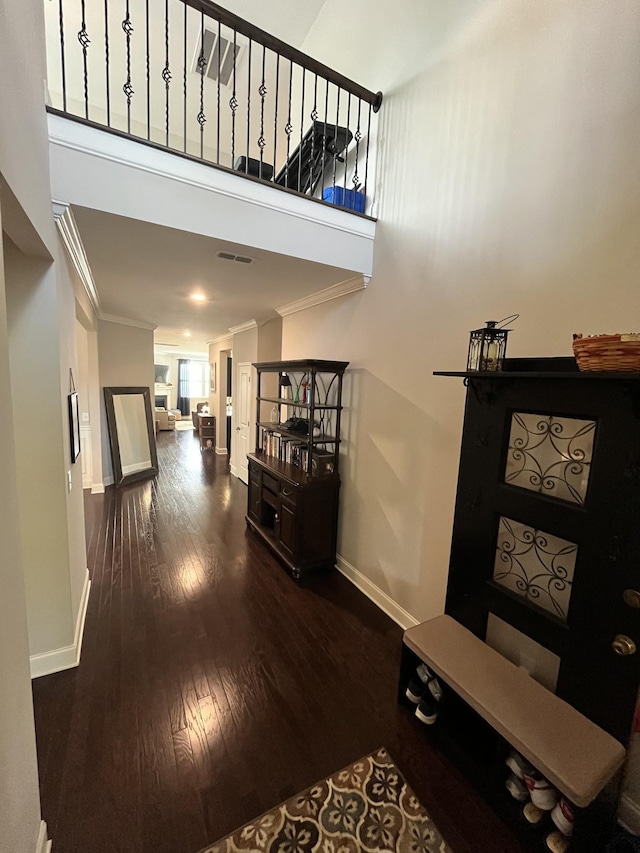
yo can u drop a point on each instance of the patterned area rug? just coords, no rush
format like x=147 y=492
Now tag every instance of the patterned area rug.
x=367 y=806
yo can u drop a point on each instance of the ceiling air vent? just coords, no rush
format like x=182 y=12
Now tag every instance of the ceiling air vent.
x=217 y=54
x=241 y=259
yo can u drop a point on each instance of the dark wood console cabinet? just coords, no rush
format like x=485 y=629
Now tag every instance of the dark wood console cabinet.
x=293 y=475
x=296 y=519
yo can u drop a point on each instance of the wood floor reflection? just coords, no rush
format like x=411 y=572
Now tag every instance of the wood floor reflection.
x=212 y=687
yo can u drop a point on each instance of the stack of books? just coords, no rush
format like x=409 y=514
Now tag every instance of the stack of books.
x=284 y=448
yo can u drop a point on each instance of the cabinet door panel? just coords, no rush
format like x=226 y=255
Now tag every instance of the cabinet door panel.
x=254 y=499
x=287 y=526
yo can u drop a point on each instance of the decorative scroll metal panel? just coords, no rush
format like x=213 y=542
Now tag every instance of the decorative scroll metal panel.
x=550 y=455
x=535 y=565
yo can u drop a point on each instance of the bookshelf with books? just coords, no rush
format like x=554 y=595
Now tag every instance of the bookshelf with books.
x=293 y=475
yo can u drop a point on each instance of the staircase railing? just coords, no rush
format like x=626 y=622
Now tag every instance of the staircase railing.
x=190 y=76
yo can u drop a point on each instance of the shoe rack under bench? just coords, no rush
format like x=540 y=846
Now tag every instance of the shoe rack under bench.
x=491 y=706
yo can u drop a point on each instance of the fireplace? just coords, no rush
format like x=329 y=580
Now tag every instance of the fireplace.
x=161 y=401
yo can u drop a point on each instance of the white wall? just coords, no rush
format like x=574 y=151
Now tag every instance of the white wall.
x=125 y=355
x=31 y=302
x=19 y=796
x=24 y=177
x=508 y=182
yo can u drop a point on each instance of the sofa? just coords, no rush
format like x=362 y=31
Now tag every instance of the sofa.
x=166 y=420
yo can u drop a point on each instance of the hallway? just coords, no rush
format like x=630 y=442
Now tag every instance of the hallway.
x=211 y=686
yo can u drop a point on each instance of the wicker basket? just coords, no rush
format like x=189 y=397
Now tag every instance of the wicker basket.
x=618 y=353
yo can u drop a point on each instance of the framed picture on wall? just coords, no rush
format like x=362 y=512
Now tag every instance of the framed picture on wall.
x=212 y=374
x=74 y=426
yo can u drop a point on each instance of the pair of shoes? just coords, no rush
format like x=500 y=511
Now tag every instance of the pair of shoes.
x=425 y=691
x=515 y=783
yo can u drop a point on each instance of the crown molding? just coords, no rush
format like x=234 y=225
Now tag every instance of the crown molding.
x=126 y=321
x=349 y=285
x=75 y=248
x=220 y=338
x=243 y=327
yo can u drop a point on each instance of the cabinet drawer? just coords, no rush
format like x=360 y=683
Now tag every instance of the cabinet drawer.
x=270 y=483
x=288 y=493
x=207 y=421
x=271 y=499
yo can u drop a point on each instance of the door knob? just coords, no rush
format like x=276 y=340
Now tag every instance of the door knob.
x=623 y=645
x=631 y=597
x=237 y=429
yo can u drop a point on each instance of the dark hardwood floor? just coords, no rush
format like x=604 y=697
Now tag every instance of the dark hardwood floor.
x=212 y=687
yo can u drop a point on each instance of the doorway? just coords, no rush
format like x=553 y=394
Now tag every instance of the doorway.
x=243 y=420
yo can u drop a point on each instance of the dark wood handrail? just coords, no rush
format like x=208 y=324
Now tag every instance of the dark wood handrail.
x=254 y=33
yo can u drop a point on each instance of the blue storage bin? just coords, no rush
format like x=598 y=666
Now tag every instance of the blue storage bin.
x=351 y=199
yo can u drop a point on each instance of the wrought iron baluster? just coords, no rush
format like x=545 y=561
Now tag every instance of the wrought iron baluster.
x=357 y=137
x=184 y=85
x=106 y=61
x=128 y=88
x=148 y=72
x=314 y=117
x=346 y=157
x=218 y=103
x=275 y=117
x=233 y=103
x=202 y=64
x=62 y=57
x=166 y=73
x=324 y=136
x=263 y=91
x=83 y=38
x=335 y=144
x=288 y=128
x=246 y=161
x=366 y=161
x=301 y=129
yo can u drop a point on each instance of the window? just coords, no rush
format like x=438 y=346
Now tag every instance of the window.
x=198 y=379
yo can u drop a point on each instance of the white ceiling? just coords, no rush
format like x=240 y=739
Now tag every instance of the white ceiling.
x=146 y=273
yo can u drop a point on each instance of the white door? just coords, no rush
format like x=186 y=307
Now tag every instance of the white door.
x=243 y=421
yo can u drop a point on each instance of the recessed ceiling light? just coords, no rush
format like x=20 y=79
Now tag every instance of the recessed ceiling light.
x=198 y=297
x=187 y=334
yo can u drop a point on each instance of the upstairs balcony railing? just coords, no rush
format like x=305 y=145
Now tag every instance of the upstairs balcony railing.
x=189 y=76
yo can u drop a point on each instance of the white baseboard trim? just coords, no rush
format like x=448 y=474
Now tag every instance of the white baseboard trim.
x=97 y=489
x=43 y=845
x=629 y=814
x=378 y=596
x=233 y=470
x=221 y=451
x=68 y=656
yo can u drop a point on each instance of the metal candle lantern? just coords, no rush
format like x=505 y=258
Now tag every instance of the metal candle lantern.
x=488 y=346
x=285 y=385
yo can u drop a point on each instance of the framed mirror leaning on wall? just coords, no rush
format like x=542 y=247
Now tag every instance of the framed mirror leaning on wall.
x=131 y=434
